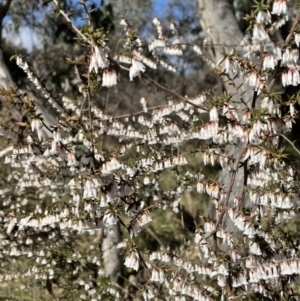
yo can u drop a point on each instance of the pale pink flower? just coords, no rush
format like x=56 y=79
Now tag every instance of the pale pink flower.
x=98 y=60
x=109 y=78
x=290 y=56
x=58 y=133
x=132 y=261
x=227 y=65
x=259 y=33
x=37 y=125
x=252 y=79
x=144 y=218
x=293 y=77
x=209 y=130
x=182 y=160
x=200 y=187
x=72 y=159
x=254 y=248
x=297 y=39
x=285 y=268
x=148 y=294
x=213 y=114
x=284 y=79
x=239 y=280
x=277 y=52
x=173 y=50
x=158 y=25
x=269 y=104
x=124 y=23
x=197 y=49
x=157 y=275
x=263 y=17
x=223 y=269
x=222 y=281
x=156 y=43
x=269 y=62
x=136 y=68
x=89 y=191
x=144 y=104
x=279 y=7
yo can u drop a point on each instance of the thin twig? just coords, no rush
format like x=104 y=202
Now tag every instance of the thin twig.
x=173 y=92
x=291 y=143
x=235 y=169
x=181 y=216
x=242 y=202
x=73 y=25
x=90 y=111
x=140 y=112
x=237 y=91
x=289 y=37
x=86 y=11
x=153 y=234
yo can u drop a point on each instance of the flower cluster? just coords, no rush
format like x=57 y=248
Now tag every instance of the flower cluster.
x=95 y=172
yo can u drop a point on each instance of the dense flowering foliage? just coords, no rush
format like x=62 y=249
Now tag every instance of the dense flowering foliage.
x=78 y=187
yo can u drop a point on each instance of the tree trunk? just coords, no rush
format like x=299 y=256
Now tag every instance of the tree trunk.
x=111 y=236
x=217 y=17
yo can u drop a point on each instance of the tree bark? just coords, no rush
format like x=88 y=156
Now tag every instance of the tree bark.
x=5 y=78
x=110 y=252
x=217 y=16
x=4 y=7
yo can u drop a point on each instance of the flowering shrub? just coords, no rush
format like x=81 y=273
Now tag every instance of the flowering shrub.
x=78 y=187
